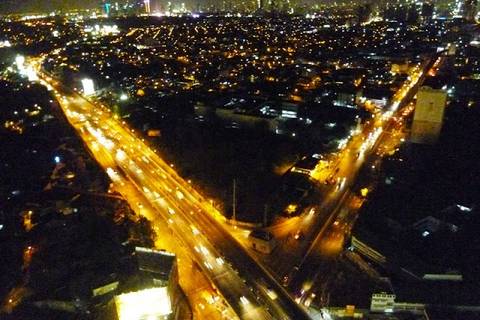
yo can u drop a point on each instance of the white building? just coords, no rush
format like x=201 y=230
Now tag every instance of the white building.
x=262 y=241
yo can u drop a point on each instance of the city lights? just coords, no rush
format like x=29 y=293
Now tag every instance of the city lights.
x=268 y=158
x=5 y=44
x=20 y=61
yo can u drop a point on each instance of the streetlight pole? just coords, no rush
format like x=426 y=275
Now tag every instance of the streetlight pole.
x=234 y=204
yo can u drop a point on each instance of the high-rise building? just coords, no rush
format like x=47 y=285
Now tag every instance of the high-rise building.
x=428 y=118
x=363 y=12
x=147 y=6
x=106 y=8
x=261 y=4
x=470 y=10
x=427 y=10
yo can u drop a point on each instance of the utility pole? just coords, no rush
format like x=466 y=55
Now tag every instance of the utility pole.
x=265 y=210
x=234 y=199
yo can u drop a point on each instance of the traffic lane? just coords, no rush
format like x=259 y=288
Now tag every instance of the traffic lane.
x=315 y=261
x=103 y=154
x=344 y=163
x=208 y=225
x=145 y=210
x=228 y=248
x=307 y=264
x=231 y=290
x=291 y=251
x=250 y=266
x=226 y=288
x=322 y=260
x=303 y=315
x=171 y=186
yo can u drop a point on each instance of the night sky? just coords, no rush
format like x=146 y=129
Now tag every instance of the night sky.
x=8 y=6
x=43 y=5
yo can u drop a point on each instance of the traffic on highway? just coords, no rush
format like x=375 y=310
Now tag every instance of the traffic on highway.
x=245 y=286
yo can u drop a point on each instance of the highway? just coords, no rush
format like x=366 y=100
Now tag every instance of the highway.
x=246 y=286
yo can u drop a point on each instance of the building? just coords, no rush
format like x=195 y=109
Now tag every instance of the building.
x=297 y=184
x=305 y=166
x=424 y=249
x=428 y=118
x=107 y=6
x=347 y=96
x=236 y=116
x=427 y=11
x=378 y=96
x=262 y=241
x=159 y=268
x=470 y=10
x=382 y=302
x=280 y=117
x=152 y=303
x=261 y=4
x=282 y=110
x=156 y=293
x=147 y=6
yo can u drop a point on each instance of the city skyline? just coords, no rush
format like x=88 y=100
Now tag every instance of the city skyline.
x=9 y=6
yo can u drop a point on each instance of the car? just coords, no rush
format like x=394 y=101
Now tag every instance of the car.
x=298 y=235
x=288 y=277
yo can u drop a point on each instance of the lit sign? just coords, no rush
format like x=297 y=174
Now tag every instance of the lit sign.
x=88 y=87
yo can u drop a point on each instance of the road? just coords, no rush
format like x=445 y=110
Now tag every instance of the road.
x=296 y=261
x=365 y=150
x=246 y=286
x=241 y=280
